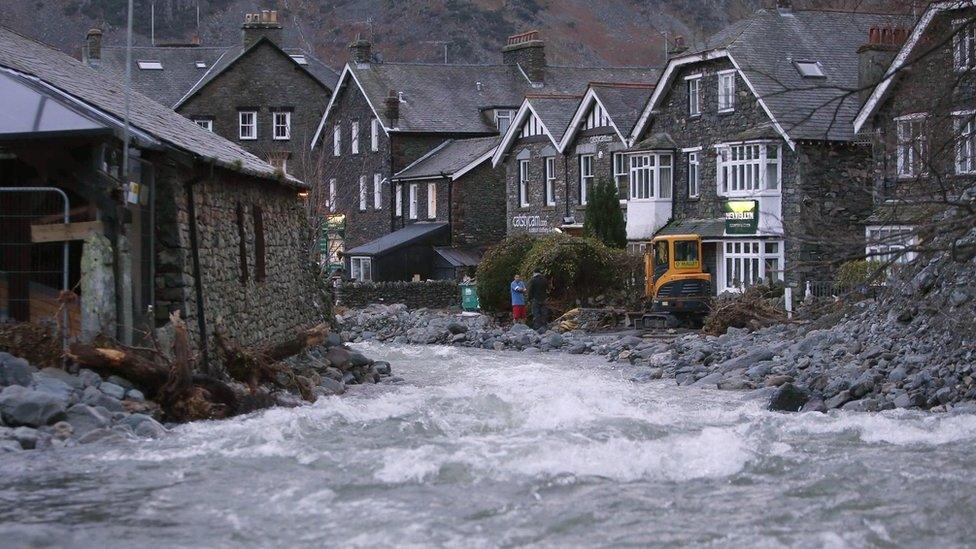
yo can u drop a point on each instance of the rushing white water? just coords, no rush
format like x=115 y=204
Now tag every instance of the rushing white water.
x=487 y=449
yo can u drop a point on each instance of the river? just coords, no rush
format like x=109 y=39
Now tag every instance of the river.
x=487 y=449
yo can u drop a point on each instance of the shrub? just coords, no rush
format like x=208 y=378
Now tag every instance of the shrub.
x=604 y=219
x=577 y=268
x=854 y=274
x=496 y=270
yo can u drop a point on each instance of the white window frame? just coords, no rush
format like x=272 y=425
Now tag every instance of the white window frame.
x=432 y=201
x=694 y=94
x=693 y=165
x=413 y=200
x=523 y=183
x=377 y=191
x=281 y=120
x=332 y=195
x=748 y=258
x=964 y=123
x=399 y=200
x=361 y=269
x=550 y=180
x=743 y=169
x=252 y=134
x=503 y=114
x=726 y=91
x=354 y=136
x=621 y=174
x=586 y=176
x=205 y=123
x=374 y=135
x=337 y=140
x=911 y=148
x=963 y=45
x=886 y=243
x=647 y=172
x=363 y=194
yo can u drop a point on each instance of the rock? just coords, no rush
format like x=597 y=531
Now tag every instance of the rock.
x=84 y=418
x=121 y=382
x=777 y=380
x=958 y=297
x=330 y=387
x=112 y=390
x=349 y=379
x=735 y=384
x=711 y=380
x=555 y=341
x=382 y=367
x=863 y=405
x=59 y=374
x=838 y=400
x=144 y=426
x=815 y=404
x=54 y=386
x=94 y=397
x=22 y=406
x=498 y=346
x=898 y=374
x=944 y=395
x=135 y=394
x=531 y=350
x=27 y=437
x=863 y=385
x=10 y=445
x=516 y=328
x=89 y=378
x=788 y=398
x=338 y=357
x=457 y=328
x=458 y=338
x=15 y=371
x=101 y=435
x=578 y=349
x=62 y=430
x=759 y=371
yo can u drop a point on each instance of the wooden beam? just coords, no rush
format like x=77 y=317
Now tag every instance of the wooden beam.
x=59 y=232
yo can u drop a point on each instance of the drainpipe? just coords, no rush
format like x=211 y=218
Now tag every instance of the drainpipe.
x=450 y=205
x=566 y=177
x=195 y=253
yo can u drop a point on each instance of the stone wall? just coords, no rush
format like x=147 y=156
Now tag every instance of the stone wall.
x=434 y=294
x=479 y=207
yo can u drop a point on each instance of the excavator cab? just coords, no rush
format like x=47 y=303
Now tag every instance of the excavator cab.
x=678 y=288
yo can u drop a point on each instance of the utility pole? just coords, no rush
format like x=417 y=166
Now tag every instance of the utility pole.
x=446 y=44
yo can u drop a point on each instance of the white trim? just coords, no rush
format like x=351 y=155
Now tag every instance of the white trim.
x=579 y=117
x=335 y=93
x=432 y=200
x=274 y=126
x=515 y=129
x=912 y=116
x=691 y=149
x=696 y=76
x=241 y=125
x=193 y=88
x=424 y=157
x=474 y=164
x=723 y=75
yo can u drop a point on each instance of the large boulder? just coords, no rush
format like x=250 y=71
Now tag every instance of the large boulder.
x=15 y=371
x=788 y=398
x=144 y=426
x=22 y=406
x=84 y=418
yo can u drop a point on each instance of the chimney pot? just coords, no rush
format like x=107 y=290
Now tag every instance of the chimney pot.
x=93 y=46
x=361 y=50
x=528 y=51
x=263 y=24
x=392 y=106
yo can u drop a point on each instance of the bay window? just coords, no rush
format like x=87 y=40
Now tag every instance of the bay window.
x=523 y=183
x=651 y=176
x=550 y=181
x=912 y=145
x=621 y=174
x=965 y=142
x=744 y=169
x=750 y=262
x=586 y=176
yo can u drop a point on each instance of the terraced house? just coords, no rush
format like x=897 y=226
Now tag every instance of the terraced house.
x=384 y=117
x=749 y=142
x=925 y=150
x=260 y=94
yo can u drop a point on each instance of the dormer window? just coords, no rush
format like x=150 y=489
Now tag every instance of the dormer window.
x=201 y=64
x=809 y=69
x=503 y=120
x=300 y=59
x=150 y=65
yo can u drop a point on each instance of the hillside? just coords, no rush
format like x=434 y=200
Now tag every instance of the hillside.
x=613 y=32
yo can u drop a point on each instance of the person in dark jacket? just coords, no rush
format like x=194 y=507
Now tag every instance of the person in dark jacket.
x=537 y=293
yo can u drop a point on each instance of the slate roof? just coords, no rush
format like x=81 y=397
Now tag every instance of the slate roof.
x=449 y=158
x=623 y=102
x=452 y=98
x=555 y=111
x=706 y=228
x=414 y=232
x=459 y=257
x=106 y=93
x=656 y=142
x=765 y=47
x=180 y=76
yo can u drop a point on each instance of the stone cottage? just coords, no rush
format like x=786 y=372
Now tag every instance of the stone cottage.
x=264 y=96
x=925 y=149
x=749 y=143
x=195 y=224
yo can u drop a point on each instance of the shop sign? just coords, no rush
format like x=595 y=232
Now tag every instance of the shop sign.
x=741 y=217
x=530 y=223
x=601 y=139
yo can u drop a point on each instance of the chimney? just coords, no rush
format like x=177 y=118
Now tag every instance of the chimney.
x=876 y=56
x=361 y=51
x=679 y=46
x=392 y=107
x=260 y=25
x=92 y=52
x=784 y=6
x=527 y=51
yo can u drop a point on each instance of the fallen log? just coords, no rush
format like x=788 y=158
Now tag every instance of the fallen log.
x=148 y=375
x=303 y=340
x=262 y=366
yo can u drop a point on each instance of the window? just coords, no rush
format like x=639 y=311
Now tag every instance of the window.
x=621 y=174
x=749 y=262
x=809 y=69
x=374 y=135
x=686 y=254
x=282 y=125
x=586 y=176
x=332 y=195
x=889 y=244
x=966 y=142
x=413 y=201
x=550 y=181
x=748 y=168
x=241 y=244
x=259 y=269
x=693 y=167
x=279 y=161
x=432 y=200
x=362 y=193
x=377 y=191
x=503 y=120
x=205 y=123
x=355 y=137
x=248 y=125
x=150 y=65
x=523 y=183
x=650 y=176
x=361 y=269
x=399 y=200
x=336 y=140
x=912 y=146
x=726 y=91
x=963 y=46
x=694 y=95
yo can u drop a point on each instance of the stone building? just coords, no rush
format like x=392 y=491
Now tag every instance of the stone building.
x=559 y=146
x=385 y=116
x=196 y=225
x=921 y=119
x=259 y=93
x=749 y=143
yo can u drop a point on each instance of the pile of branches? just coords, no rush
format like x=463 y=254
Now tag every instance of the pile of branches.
x=752 y=309
x=172 y=380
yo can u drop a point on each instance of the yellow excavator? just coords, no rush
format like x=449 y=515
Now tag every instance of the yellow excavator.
x=678 y=288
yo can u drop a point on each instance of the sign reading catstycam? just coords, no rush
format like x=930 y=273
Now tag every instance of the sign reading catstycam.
x=741 y=217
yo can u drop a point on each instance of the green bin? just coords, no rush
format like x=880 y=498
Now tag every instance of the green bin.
x=469 y=297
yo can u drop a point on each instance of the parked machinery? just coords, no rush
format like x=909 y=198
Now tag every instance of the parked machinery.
x=678 y=288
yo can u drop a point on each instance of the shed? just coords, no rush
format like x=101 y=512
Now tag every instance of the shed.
x=400 y=255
